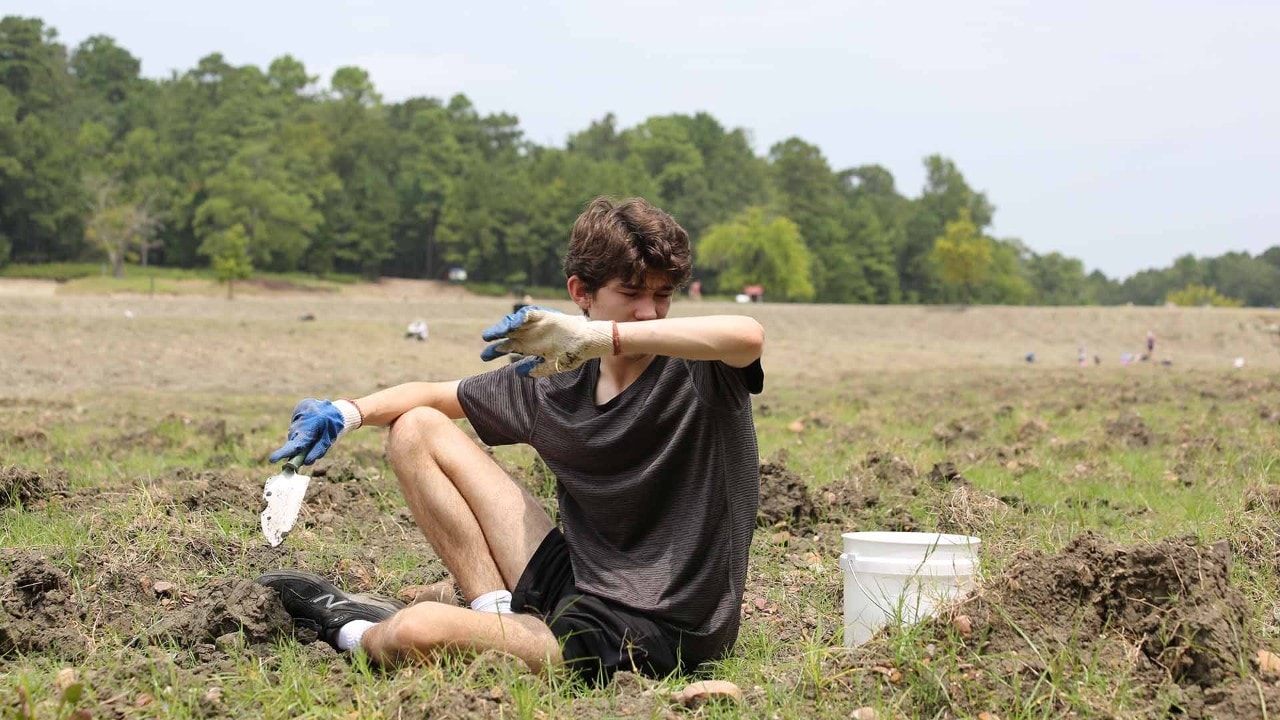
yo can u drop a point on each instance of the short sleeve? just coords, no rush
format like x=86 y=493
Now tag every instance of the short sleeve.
x=500 y=404
x=725 y=386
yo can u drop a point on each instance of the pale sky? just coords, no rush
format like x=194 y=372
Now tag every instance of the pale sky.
x=1123 y=133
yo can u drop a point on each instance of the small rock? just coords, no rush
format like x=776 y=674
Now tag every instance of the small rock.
x=1268 y=662
x=865 y=713
x=796 y=426
x=700 y=693
x=780 y=538
x=66 y=678
x=963 y=625
x=163 y=589
x=441 y=592
x=988 y=716
x=213 y=696
x=230 y=642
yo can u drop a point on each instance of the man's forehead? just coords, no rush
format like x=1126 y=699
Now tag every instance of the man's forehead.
x=655 y=281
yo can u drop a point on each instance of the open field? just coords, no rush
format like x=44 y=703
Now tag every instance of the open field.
x=1130 y=516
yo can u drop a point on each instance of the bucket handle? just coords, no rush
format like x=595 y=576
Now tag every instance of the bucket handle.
x=846 y=564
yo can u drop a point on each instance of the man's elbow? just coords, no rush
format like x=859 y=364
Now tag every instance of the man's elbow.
x=750 y=343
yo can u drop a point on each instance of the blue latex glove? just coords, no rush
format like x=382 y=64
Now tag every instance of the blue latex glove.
x=554 y=341
x=315 y=425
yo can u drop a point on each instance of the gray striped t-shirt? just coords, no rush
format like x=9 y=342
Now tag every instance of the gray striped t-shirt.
x=658 y=488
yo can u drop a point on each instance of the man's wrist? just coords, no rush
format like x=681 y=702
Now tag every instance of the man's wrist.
x=352 y=418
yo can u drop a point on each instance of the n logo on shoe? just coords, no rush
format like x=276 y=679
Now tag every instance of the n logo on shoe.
x=328 y=600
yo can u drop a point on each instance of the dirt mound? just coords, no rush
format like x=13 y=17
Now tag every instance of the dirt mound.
x=890 y=468
x=21 y=485
x=945 y=473
x=39 y=612
x=1032 y=429
x=208 y=490
x=29 y=437
x=1172 y=600
x=784 y=495
x=1131 y=430
x=959 y=429
x=967 y=511
x=225 y=606
x=1162 y=616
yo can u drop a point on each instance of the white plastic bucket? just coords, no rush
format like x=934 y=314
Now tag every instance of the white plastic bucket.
x=901 y=577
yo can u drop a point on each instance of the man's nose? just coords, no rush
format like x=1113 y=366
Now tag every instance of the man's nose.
x=646 y=309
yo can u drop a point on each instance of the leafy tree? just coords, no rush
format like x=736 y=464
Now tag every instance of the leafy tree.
x=117 y=226
x=228 y=253
x=108 y=84
x=1195 y=295
x=963 y=258
x=274 y=210
x=668 y=153
x=754 y=249
x=33 y=66
x=41 y=196
x=1057 y=279
x=946 y=194
x=1008 y=283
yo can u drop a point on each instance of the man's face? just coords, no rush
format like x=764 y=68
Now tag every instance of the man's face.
x=627 y=300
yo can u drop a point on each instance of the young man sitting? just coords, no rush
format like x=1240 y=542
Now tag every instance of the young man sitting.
x=646 y=422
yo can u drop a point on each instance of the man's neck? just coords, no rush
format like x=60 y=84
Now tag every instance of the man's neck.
x=617 y=372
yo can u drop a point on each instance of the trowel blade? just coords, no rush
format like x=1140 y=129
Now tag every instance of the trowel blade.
x=284 y=494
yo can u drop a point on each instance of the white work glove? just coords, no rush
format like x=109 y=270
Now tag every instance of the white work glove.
x=554 y=342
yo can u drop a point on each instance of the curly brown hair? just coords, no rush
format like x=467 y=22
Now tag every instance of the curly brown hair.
x=628 y=239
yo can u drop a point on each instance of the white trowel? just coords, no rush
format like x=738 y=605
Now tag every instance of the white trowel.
x=284 y=494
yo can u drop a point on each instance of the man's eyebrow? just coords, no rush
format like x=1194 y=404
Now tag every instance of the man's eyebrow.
x=661 y=288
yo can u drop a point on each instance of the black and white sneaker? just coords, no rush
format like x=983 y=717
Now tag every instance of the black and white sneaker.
x=316 y=604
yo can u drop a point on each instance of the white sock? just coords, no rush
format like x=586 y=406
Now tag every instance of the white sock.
x=349 y=635
x=495 y=601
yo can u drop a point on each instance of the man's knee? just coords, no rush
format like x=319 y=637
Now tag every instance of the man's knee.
x=417 y=633
x=415 y=427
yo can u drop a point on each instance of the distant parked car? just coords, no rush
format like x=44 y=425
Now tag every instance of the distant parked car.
x=457 y=274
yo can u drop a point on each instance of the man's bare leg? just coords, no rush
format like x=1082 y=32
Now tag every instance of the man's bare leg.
x=421 y=631
x=482 y=524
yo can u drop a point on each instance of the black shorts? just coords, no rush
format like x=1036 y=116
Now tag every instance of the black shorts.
x=599 y=637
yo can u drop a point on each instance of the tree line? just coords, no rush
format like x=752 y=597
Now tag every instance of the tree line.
x=239 y=168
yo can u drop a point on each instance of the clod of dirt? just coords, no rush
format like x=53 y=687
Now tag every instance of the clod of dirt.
x=889 y=467
x=848 y=495
x=957 y=430
x=945 y=473
x=27 y=438
x=208 y=490
x=40 y=612
x=1131 y=430
x=342 y=471
x=784 y=496
x=21 y=485
x=229 y=605
x=1032 y=429
x=1263 y=497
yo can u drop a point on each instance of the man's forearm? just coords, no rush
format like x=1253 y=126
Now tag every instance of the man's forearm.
x=736 y=340
x=384 y=406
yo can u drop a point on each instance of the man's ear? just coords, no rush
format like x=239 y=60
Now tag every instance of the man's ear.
x=578 y=292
